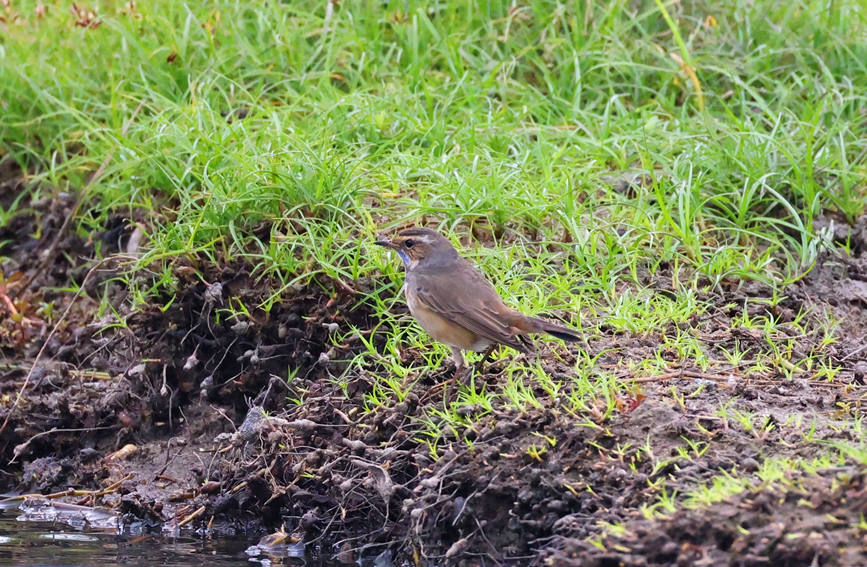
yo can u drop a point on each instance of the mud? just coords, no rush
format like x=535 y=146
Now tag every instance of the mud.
x=183 y=418
x=815 y=520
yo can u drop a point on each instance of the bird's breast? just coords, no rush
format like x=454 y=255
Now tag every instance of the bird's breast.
x=439 y=327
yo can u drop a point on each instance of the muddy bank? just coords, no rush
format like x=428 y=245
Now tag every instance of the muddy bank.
x=180 y=416
x=815 y=520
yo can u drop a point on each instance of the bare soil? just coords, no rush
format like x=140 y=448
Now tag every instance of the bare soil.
x=180 y=413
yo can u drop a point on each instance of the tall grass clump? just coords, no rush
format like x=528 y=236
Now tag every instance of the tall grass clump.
x=285 y=132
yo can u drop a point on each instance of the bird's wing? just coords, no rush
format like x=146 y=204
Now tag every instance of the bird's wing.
x=464 y=297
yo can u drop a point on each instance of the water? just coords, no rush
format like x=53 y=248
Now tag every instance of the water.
x=30 y=538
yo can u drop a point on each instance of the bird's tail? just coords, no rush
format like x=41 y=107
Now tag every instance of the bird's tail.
x=555 y=330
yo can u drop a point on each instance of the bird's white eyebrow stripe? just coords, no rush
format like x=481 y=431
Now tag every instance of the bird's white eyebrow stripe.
x=419 y=237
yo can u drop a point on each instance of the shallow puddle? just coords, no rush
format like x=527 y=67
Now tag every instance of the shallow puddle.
x=26 y=539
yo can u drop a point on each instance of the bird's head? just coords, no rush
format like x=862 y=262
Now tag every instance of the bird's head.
x=420 y=246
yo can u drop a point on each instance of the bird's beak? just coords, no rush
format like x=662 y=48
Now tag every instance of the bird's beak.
x=384 y=242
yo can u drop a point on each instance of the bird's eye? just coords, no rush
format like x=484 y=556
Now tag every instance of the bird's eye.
x=409 y=243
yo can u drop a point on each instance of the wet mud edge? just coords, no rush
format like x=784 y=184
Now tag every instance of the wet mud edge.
x=241 y=424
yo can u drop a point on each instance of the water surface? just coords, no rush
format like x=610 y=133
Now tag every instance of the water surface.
x=56 y=543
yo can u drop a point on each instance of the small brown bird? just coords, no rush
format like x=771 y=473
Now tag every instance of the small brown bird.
x=455 y=304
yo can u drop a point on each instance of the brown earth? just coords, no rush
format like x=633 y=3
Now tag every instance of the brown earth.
x=178 y=413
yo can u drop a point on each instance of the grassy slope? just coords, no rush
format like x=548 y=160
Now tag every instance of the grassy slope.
x=510 y=120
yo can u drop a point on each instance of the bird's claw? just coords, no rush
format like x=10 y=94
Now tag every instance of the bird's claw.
x=462 y=373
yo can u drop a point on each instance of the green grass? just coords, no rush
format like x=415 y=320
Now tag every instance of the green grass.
x=274 y=134
x=470 y=115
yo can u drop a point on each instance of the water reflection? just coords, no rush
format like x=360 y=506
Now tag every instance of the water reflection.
x=54 y=543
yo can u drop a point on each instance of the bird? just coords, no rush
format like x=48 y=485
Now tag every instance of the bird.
x=456 y=304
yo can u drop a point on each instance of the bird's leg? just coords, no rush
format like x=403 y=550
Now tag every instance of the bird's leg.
x=485 y=354
x=460 y=364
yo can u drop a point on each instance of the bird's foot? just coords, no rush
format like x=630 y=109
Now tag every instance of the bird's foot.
x=479 y=365
x=462 y=373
